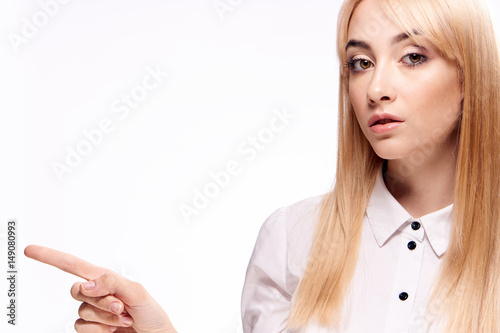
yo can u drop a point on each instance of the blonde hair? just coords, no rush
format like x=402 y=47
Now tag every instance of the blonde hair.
x=469 y=282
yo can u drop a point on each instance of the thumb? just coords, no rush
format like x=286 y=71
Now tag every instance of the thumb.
x=111 y=283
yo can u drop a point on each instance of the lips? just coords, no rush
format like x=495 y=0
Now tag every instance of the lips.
x=382 y=123
x=383 y=118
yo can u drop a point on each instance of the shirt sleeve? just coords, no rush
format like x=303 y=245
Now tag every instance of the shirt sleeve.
x=265 y=304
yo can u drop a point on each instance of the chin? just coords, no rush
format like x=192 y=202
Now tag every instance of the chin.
x=389 y=152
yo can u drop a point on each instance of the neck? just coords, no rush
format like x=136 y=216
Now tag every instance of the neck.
x=423 y=183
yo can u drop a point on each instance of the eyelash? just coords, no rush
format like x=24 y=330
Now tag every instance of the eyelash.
x=350 y=64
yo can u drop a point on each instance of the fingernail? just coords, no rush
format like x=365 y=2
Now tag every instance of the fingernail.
x=116 y=307
x=127 y=321
x=112 y=329
x=89 y=285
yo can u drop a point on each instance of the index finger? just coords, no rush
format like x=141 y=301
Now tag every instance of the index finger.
x=64 y=261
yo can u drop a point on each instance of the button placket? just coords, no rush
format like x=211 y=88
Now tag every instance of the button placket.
x=412 y=245
x=406 y=279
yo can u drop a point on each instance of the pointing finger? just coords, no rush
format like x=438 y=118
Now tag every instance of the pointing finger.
x=64 y=261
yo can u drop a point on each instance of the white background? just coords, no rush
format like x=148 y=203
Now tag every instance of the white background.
x=119 y=207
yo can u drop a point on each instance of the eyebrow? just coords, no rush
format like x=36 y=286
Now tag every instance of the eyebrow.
x=363 y=45
x=399 y=38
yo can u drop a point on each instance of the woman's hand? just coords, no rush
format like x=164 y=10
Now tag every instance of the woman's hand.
x=111 y=303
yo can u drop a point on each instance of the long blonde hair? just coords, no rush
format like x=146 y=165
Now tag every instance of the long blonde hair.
x=469 y=284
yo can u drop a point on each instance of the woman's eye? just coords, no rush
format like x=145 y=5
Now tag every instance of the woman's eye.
x=357 y=65
x=414 y=59
x=364 y=64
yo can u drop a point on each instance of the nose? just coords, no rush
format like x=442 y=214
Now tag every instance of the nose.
x=382 y=86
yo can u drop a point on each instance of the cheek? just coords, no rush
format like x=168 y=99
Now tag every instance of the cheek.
x=436 y=104
x=357 y=99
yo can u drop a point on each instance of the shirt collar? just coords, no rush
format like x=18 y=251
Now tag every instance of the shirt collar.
x=386 y=216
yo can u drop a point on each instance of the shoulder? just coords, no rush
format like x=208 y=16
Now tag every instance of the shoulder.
x=291 y=224
x=282 y=249
x=285 y=239
x=300 y=213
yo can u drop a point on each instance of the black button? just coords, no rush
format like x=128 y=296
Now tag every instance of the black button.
x=412 y=245
x=403 y=296
x=415 y=225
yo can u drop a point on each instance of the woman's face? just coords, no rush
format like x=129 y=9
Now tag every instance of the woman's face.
x=407 y=97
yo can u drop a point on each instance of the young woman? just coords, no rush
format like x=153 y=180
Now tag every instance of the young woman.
x=408 y=240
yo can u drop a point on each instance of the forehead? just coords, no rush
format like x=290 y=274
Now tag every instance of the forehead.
x=369 y=22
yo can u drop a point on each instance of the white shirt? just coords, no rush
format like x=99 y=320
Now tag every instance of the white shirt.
x=386 y=268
